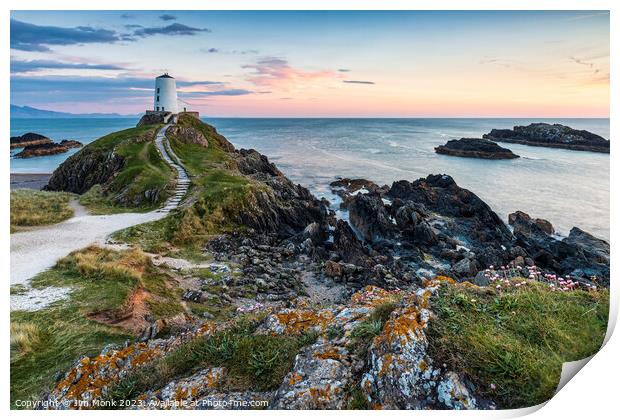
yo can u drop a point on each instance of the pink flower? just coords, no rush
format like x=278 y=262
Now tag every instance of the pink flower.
x=493 y=386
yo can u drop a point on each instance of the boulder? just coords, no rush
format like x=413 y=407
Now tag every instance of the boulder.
x=465 y=268
x=424 y=234
x=251 y=162
x=346 y=244
x=368 y=215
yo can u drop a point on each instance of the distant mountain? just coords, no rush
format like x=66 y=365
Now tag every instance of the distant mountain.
x=30 y=112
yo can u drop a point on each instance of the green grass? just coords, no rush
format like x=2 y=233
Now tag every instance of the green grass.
x=47 y=342
x=363 y=334
x=34 y=208
x=217 y=190
x=252 y=361
x=143 y=170
x=516 y=340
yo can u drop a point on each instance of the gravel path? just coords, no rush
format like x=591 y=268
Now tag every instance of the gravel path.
x=36 y=250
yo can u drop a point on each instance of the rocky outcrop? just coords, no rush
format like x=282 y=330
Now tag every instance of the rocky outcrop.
x=551 y=135
x=46 y=149
x=28 y=139
x=581 y=256
x=251 y=162
x=280 y=207
x=396 y=371
x=188 y=135
x=154 y=118
x=82 y=171
x=367 y=213
x=475 y=148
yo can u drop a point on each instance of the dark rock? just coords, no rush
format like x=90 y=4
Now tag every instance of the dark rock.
x=523 y=223
x=47 y=149
x=579 y=252
x=85 y=169
x=471 y=217
x=28 y=139
x=475 y=148
x=154 y=118
x=351 y=250
x=252 y=162
x=407 y=217
x=346 y=186
x=193 y=296
x=424 y=234
x=593 y=247
x=547 y=135
x=368 y=215
x=465 y=268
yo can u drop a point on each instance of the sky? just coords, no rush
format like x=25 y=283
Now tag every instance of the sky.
x=316 y=64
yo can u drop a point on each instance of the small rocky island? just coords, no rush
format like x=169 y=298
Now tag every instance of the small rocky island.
x=29 y=139
x=475 y=148
x=551 y=135
x=38 y=145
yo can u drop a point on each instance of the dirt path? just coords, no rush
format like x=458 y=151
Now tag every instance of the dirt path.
x=36 y=250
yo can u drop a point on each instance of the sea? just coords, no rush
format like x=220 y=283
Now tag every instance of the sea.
x=568 y=188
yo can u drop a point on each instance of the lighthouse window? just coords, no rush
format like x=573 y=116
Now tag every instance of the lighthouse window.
x=157 y=90
x=157 y=98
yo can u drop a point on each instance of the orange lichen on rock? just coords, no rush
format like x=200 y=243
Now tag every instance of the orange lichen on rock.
x=295 y=378
x=373 y=296
x=297 y=321
x=408 y=322
x=90 y=375
x=330 y=353
x=386 y=362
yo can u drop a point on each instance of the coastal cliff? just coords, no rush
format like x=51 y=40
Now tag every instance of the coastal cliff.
x=407 y=296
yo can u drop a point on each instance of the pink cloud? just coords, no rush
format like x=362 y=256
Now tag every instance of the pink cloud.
x=276 y=72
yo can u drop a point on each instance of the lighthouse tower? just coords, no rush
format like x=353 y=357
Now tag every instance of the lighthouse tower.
x=166 y=94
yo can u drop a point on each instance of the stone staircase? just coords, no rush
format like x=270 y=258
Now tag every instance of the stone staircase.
x=161 y=142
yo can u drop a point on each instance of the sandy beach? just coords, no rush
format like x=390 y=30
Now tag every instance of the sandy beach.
x=33 y=181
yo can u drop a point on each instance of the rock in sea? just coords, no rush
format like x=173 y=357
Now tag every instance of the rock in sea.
x=475 y=148
x=551 y=135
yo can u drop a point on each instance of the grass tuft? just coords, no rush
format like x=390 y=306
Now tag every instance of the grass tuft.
x=35 y=208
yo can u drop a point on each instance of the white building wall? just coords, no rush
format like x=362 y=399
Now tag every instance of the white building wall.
x=166 y=95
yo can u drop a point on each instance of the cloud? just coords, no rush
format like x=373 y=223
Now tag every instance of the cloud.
x=276 y=72
x=166 y=17
x=237 y=52
x=29 y=37
x=359 y=82
x=344 y=70
x=23 y=66
x=26 y=89
x=181 y=83
x=580 y=61
x=223 y=92
x=174 y=29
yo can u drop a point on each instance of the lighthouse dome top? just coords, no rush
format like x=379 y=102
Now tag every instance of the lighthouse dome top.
x=165 y=76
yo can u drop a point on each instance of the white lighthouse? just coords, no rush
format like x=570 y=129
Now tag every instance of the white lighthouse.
x=166 y=94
